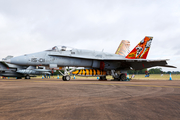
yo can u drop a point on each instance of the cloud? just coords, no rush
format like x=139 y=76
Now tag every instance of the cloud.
x=36 y=25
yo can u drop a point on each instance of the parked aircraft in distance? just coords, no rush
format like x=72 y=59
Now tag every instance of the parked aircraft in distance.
x=95 y=63
x=19 y=71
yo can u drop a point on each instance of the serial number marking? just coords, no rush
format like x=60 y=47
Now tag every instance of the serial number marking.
x=37 y=60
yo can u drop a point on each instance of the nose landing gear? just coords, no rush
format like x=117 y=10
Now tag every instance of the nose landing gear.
x=66 y=78
x=66 y=75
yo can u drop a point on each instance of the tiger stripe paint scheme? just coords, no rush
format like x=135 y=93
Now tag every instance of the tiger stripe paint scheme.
x=89 y=72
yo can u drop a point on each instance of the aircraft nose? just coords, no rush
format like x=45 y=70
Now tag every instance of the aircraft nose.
x=20 y=60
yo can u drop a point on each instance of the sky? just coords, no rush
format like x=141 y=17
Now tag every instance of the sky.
x=28 y=26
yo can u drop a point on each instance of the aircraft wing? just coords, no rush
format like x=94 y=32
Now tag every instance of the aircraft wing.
x=141 y=64
x=2 y=63
x=42 y=70
x=136 y=64
x=4 y=66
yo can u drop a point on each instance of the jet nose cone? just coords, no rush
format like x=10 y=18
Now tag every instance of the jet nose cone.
x=19 y=60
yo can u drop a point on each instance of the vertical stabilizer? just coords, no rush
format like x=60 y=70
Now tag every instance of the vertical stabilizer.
x=123 y=48
x=141 y=50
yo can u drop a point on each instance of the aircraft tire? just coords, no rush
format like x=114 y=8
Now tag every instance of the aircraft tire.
x=122 y=77
x=103 y=78
x=27 y=77
x=64 y=78
x=67 y=78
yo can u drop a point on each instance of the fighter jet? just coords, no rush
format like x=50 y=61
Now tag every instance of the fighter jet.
x=95 y=63
x=19 y=71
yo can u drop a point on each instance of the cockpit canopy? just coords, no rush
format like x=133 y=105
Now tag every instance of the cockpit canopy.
x=60 y=48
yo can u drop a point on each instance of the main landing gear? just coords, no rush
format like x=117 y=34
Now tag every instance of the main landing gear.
x=119 y=76
x=103 y=78
x=122 y=77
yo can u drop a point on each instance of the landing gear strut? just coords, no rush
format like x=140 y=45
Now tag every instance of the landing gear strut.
x=66 y=76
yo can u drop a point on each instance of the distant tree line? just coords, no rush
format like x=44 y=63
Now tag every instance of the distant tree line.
x=152 y=71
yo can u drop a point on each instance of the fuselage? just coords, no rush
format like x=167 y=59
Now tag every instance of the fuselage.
x=72 y=58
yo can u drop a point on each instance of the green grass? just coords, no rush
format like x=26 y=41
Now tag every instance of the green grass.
x=157 y=77
x=139 y=77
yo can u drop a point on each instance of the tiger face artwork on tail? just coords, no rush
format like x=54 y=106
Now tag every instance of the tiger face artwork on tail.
x=141 y=50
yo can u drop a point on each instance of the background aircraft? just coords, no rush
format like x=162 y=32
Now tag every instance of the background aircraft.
x=19 y=71
x=96 y=63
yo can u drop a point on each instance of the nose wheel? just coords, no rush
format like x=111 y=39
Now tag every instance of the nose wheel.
x=66 y=78
x=66 y=74
x=27 y=77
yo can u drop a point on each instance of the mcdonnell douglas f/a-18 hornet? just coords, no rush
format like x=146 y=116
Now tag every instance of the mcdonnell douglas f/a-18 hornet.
x=19 y=71
x=95 y=63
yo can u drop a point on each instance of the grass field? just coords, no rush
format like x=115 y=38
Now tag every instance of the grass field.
x=139 y=77
x=157 y=77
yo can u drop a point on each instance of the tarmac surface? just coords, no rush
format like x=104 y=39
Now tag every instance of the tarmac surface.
x=85 y=99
